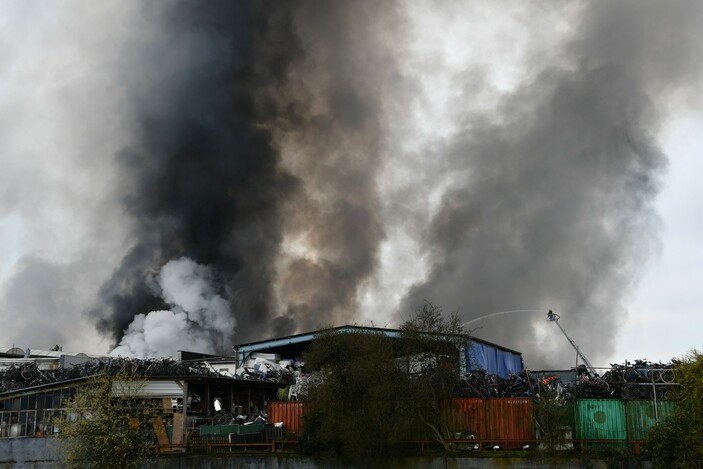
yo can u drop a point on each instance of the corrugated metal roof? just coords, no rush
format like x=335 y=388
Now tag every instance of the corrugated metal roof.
x=165 y=388
x=309 y=336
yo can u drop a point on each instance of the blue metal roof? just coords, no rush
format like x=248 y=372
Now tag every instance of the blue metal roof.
x=483 y=354
x=308 y=337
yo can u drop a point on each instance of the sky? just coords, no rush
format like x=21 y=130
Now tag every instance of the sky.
x=665 y=320
x=181 y=176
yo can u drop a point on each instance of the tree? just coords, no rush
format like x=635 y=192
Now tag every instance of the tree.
x=554 y=417
x=432 y=344
x=108 y=425
x=354 y=412
x=678 y=441
x=377 y=393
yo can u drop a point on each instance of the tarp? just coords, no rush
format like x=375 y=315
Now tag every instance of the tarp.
x=492 y=359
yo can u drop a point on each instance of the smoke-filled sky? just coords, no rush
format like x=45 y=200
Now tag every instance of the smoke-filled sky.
x=190 y=175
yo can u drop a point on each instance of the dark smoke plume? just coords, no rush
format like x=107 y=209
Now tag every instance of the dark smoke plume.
x=555 y=210
x=205 y=181
x=236 y=83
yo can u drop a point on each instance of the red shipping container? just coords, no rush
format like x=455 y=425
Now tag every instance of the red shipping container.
x=509 y=419
x=290 y=413
x=469 y=417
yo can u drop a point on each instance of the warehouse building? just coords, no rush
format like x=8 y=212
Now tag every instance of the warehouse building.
x=476 y=353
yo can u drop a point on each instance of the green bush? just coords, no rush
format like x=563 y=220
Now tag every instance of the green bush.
x=678 y=441
x=101 y=430
x=377 y=393
x=354 y=412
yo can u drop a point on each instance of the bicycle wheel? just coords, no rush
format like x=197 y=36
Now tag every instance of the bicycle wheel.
x=629 y=391
x=667 y=376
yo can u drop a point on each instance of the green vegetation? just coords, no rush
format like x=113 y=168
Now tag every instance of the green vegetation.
x=101 y=430
x=377 y=394
x=554 y=418
x=355 y=411
x=432 y=344
x=678 y=441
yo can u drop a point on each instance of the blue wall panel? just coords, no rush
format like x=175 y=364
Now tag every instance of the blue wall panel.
x=492 y=359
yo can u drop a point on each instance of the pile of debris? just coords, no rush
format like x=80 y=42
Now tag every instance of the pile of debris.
x=28 y=374
x=642 y=380
x=479 y=383
x=639 y=380
x=269 y=367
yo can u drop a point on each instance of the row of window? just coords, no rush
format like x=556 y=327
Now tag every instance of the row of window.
x=54 y=399
x=36 y=414
x=30 y=422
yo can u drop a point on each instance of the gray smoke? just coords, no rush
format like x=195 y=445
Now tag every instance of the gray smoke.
x=197 y=319
x=553 y=208
x=202 y=178
x=330 y=122
x=260 y=126
x=297 y=154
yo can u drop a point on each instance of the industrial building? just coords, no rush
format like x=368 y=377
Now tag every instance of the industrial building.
x=476 y=353
x=245 y=383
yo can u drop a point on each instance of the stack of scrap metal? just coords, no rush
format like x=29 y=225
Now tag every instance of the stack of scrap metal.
x=268 y=367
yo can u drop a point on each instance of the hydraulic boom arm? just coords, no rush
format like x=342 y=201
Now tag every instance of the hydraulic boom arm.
x=555 y=319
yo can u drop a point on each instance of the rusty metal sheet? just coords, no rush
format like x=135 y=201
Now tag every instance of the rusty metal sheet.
x=509 y=419
x=290 y=413
x=469 y=417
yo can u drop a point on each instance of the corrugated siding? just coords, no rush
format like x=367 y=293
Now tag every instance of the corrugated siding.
x=641 y=416
x=601 y=419
x=290 y=413
x=469 y=416
x=147 y=389
x=509 y=419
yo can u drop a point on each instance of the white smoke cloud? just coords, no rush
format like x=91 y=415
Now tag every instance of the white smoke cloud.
x=199 y=318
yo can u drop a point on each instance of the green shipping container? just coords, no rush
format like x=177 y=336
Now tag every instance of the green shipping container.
x=218 y=430
x=642 y=415
x=249 y=429
x=601 y=419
